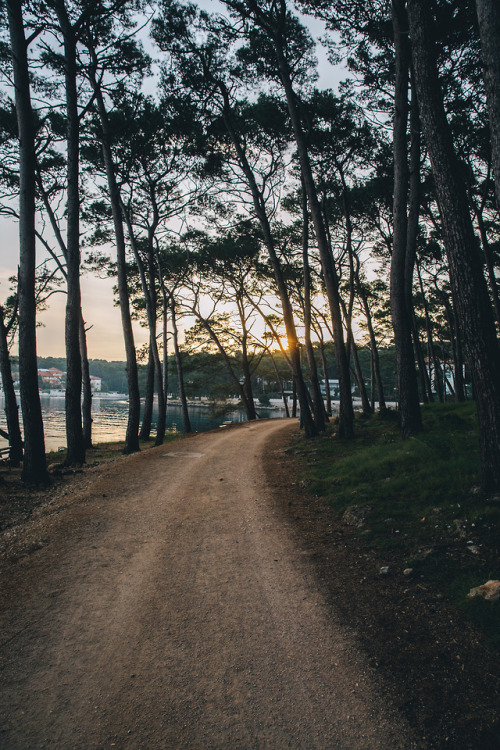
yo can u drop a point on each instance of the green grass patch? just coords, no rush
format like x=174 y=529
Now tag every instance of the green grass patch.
x=419 y=498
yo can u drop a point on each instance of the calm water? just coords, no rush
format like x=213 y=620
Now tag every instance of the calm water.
x=110 y=419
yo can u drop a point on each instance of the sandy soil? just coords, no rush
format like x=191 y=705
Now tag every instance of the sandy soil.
x=166 y=603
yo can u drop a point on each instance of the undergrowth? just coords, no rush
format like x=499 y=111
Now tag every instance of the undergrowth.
x=418 y=501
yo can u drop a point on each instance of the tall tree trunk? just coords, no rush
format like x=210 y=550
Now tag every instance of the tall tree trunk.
x=134 y=402
x=294 y=400
x=425 y=383
x=373 y=346
x=409 y=407
x=458 y=380
x=74 y=430
x=431 y=349
x=366 y=407
x=280 y=381
x=317 y=397
x=346 y=412
x=288 y=319
x=247 y=379
x=34 y=464
x=150 y=301
x=490 y=263
x=488 y=14
x=164 y=337
x=186 y=422
x=358 y=375
x=245 y=360
x=147 y=415
x=11 y=409
x=476 y=325
x=86 y=385
x=328 y=393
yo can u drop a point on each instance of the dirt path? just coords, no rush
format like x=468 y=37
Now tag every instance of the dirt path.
x=169 y=608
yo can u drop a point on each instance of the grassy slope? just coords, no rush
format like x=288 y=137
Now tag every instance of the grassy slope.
x=421 y=501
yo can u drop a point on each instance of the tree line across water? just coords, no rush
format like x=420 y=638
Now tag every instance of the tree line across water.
x=254 y=210
x=206 y=376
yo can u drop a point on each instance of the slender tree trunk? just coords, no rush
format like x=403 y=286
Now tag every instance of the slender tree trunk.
x=150 y=301
x=358 y=375
x=431 y=349
x=280 y=381
x=328 y=393
x=490 y=264
x=458 y=388
x=164 y=337
x=476 y=325
x=409 y=407
x=34 y=464
x=459 y=365
x=374 y=348
x=162 y=394
x=186 y=422
x=365 y=401
x=488 y=13
x=425 y=382
x=87 y=386
x=147 y=415
x=247 y=378
x=74 y=430
x=288 y=319
x=346 y=412
x=134 y=402
x=317 y=397
x=245 y=361
x=11 y=409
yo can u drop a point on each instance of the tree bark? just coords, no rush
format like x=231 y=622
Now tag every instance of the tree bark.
x=488 y=14
x=317 y=397
x=475 y=319
x=34 y=464
x=346 y=412
x=490 y=263
x=147 y=415
x=288 y=319
x=74 y=429
x=425 y=383
x=280 y=381
x=150 y=302
x=86 y=386
x=186 y=422
x=373 y=347
x=409 y=407
x=134 y=402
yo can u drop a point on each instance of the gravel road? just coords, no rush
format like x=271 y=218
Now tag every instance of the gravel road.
x=169 y=607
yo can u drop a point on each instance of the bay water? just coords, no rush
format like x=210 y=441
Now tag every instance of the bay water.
x=110 y=415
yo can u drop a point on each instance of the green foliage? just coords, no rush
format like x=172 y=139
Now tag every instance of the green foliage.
x=423 y=506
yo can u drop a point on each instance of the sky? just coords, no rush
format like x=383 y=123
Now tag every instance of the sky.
x=102 y=317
